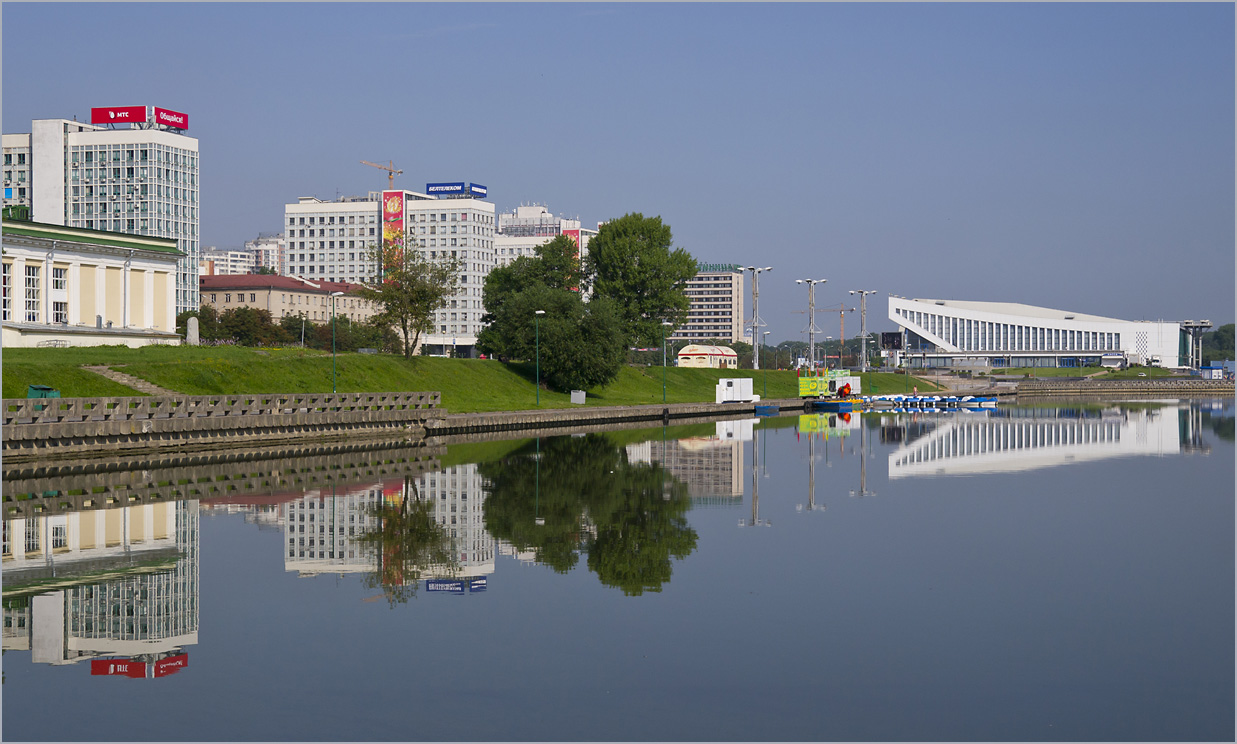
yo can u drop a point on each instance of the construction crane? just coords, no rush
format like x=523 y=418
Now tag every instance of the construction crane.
x=841 y=311
x=389 y=168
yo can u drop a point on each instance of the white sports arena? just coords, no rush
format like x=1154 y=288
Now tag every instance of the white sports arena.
x=952 y=333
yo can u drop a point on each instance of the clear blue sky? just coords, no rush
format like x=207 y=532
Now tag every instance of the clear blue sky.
x=1077 y=156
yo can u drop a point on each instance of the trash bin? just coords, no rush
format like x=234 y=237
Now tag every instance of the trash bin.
x=41 y=391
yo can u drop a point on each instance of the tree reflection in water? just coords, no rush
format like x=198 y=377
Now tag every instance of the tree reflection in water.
x=580 y=494
x=406 y=543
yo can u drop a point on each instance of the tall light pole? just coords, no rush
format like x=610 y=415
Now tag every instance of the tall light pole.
x=537 y=330
x=333 y=296
x=664 y=323
x=863 y=324
x=756 y=321
x=811 y=317
x=766 y=393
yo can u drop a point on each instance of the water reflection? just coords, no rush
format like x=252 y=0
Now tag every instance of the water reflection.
x=573 y=496
x=118 y=587
x=1011 y=440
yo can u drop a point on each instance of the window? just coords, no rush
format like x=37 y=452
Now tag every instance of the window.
x=32 y=293
x=253 y=297
x=7 y=288
x=60 y=312
x=227 y=297
x=60 y=278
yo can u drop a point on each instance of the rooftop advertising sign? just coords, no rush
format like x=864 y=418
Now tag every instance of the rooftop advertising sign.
x=478 y=190
x=442 y=189
x=477 y=584
x=718 y=267
x=118 y=115
x=170 y=118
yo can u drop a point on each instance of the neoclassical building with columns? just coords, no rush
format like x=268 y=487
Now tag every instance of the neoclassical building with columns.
x=70 y=286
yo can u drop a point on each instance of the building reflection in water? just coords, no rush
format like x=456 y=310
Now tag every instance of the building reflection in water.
x=710 y=466
x=1014 y=440
x=324 y=528
x=117 y=586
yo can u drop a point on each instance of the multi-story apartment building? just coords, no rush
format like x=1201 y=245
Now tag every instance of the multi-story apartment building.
x=282 y=296
x=267 y=251
x=215 y=261
x=715 y=295
x=141 y=179
x=528 y=226
x=334 y=241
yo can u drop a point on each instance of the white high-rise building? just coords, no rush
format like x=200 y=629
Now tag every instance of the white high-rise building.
x=528 y=226
x=333 y=240
x=267 y=251
x=715 y=310
x=141 y=179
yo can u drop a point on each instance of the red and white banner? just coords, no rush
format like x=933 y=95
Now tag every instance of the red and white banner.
x=118 y=667
x=171 y=665
x=171 y=118
x=118 y=115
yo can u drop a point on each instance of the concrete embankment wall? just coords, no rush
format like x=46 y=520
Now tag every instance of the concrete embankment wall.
x=41 y=428
x=1160 y=387
x=562 y=420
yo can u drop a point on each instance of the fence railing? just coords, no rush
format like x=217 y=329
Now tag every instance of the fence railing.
x=24 y=411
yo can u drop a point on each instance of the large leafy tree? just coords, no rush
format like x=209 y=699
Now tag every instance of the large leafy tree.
x=581 y=344
x=632 y=262
x=409 y=288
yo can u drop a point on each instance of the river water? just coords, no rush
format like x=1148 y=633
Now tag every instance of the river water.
x=1051 y=573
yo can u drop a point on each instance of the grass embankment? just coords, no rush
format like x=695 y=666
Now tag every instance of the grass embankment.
x=467 y=385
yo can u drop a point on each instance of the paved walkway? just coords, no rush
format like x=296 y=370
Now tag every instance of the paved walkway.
x=128 y=380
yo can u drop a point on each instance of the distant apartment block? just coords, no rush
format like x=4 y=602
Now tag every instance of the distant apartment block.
x=215 y=261
x=267 y=250
x=528 y=226
x=715 y=311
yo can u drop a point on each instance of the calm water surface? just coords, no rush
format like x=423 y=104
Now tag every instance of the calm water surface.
x=1018 y=574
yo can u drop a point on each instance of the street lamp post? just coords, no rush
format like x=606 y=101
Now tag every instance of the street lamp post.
x=863 y=325
x=811 y=322
x=766 y=393
x=333 y=296
x=756 y=321
x=537 y=330
x=664 y=323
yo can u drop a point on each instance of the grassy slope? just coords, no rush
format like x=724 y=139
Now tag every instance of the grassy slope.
x=467 y=385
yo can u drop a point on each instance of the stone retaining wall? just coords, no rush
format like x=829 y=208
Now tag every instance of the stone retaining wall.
x=39 y=427
x=560 y=419
x=1162 y=386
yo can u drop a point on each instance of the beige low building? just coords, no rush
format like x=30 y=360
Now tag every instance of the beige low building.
x=282 y=296
x=71 y=286
x=701 y=355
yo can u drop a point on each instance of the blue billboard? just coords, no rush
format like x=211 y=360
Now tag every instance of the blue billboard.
x=477 y=190
x=452 y=586
x=477 y=584
x=455 y=188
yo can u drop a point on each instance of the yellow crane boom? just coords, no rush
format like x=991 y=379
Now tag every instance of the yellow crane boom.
x=389 y=168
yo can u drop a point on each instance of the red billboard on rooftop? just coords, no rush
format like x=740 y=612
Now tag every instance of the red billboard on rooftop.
x=118 y=115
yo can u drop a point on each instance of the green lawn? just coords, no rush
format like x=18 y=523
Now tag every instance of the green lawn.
x=467 y=385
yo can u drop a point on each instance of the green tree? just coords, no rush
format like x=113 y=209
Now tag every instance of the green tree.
x=631 y=262
x=1218 y=344
x=250 y=326
x=410 y=288
x=581 y=344
x=264 y=270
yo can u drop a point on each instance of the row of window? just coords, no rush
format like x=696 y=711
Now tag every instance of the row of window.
x=8 y=158
x=976 y=335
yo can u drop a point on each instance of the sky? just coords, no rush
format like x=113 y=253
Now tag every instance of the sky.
x=1073 y=156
